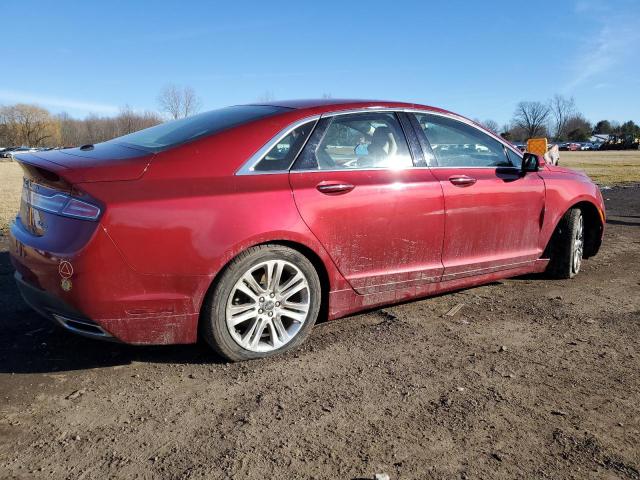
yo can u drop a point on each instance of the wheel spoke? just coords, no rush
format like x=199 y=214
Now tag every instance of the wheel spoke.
x=279 y=334
x=274 y=274
x=301 y=307
x=247 y=291
x=258 y=333
x=293 y=290
x=251 y=282
x=245 y=340
x=293 y=315
x=243 y=317
x=292 y=281
x=236 y=309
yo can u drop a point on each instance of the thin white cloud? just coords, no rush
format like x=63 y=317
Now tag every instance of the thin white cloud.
x=11 y=96
x=591 y=6
x=609 y=48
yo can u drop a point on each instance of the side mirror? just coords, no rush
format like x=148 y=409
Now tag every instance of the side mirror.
x=530 y=163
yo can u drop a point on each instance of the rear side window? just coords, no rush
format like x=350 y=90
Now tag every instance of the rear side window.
x=456 y=144
x=284 y=152
x=176 y=132
x=359 y=141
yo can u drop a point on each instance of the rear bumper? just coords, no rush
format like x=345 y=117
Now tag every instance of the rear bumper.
x=105 y=298
x=59 y=312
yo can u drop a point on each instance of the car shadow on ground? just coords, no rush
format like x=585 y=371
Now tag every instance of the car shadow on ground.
x=32 y=344
x=626 y=220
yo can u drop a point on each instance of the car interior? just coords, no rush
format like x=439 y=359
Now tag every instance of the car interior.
x=458 y=145
x=364 y=141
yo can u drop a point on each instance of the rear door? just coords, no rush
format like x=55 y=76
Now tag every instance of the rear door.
x=380 y=219
x=493 y=213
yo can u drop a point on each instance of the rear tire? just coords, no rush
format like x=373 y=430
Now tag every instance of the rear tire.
x=265 y=303
x=566 y=247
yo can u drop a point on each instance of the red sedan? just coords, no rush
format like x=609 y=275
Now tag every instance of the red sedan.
x=247 y=224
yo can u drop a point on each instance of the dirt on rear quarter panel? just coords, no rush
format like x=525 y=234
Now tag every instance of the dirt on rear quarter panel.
x=529 y=378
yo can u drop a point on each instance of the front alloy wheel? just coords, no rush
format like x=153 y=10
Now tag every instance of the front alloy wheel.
x=566 y=247
x=578 y=245
x=265 y=302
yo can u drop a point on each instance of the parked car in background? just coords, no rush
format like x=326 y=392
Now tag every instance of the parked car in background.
x=242 y=226
x=521 y=146
x=10 y=152
x=6 y=152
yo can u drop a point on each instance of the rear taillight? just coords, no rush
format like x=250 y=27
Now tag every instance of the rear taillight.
x=61 y=204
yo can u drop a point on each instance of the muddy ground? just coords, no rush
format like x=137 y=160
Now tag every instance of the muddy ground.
x=530 y=379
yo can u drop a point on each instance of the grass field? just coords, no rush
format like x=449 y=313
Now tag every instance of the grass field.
x=10 y=188
x=606 y=168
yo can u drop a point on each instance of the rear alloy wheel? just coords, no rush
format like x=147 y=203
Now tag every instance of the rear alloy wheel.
x=265 y=303
x=567 y=246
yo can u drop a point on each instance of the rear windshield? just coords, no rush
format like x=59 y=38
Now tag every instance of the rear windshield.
x=174 y=133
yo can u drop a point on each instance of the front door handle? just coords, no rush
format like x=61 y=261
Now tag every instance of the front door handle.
x=462 y=180
x=334 y=188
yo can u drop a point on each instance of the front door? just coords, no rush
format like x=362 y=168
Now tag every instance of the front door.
x=493 y=212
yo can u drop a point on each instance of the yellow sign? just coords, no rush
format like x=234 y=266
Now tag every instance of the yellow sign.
x=537 y=145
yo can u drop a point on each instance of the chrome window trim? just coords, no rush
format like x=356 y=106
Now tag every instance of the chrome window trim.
x=516 y=169
x=452 y=116
x=366 y=169
x=248 y=167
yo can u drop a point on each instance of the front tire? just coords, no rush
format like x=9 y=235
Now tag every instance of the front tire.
x=265 y=303
x=567 y=246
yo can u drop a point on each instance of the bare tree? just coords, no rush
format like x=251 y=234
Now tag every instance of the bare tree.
x=267 y=96
x=179 y=102
x=561 y=110
x=491 y=125
x=29 y=125
x=532 y=118
x=191 y=103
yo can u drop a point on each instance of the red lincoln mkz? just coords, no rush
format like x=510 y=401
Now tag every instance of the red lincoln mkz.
x=246 y=224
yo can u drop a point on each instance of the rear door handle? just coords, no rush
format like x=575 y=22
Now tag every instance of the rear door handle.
x=462 y=180
x=334 y=188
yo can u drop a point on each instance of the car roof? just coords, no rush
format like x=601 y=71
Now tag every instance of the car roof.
x=332 y=104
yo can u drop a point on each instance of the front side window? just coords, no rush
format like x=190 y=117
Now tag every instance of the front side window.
x=514 y=158
x=456 y=144
x=284 y=152
x=360 y=141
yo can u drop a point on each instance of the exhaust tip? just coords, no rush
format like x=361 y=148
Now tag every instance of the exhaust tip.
x=81 y=327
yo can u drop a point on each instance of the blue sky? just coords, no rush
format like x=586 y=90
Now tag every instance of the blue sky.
x=476 y=58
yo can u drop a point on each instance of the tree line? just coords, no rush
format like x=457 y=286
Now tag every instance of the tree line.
x=557 y=119
x=34 y=126
x=30 y=125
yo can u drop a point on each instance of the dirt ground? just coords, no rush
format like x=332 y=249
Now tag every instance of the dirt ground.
x=530 y=379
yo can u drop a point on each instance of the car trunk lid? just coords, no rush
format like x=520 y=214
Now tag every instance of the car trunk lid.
x=102 y=162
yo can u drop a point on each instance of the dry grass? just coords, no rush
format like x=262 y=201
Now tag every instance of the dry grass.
x=606 y=168
x=10 y=188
